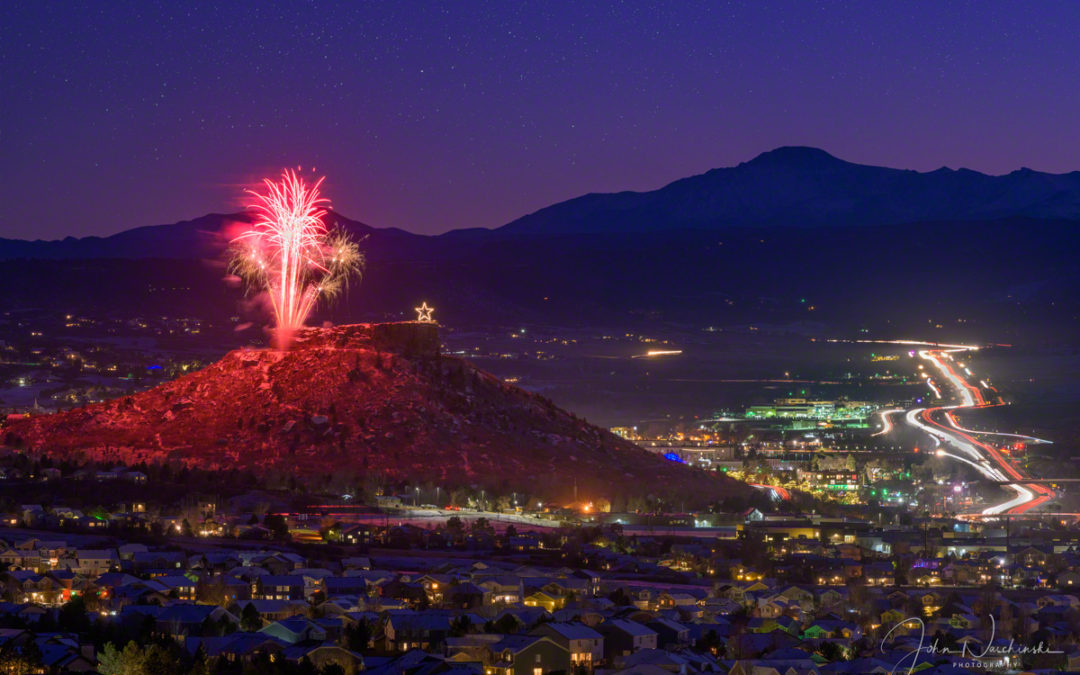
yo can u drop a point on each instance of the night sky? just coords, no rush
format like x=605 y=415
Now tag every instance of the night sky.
x=433 y=117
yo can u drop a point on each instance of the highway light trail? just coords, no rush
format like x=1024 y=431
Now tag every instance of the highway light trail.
x=1023 y=501
x=778 y=492
x=984 y=469
x=886 y=423
x=969 y=394
x=915 y=419
x=912 y=343
x=983 y=457
x=1029 y=439
x=933 y=387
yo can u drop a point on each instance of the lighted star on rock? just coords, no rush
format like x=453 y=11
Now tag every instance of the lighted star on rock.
x=423 y=313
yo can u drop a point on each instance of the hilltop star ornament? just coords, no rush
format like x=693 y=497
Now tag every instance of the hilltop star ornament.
x=423 y=313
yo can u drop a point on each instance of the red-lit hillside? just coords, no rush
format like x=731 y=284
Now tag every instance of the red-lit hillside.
x=367 y=400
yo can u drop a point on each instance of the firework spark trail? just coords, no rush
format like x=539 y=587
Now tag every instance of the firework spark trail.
x=290 y=253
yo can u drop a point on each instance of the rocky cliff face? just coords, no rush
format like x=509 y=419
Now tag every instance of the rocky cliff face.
x=367 y=401
x=408 y=338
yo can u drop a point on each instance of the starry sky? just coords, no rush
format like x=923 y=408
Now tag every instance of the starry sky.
x=434 y=116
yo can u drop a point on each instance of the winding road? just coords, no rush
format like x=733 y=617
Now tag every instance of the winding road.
x=960 y=444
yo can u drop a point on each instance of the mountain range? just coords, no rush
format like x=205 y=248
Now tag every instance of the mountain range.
x=868 y=246
x=800 y=186
x=789 y=186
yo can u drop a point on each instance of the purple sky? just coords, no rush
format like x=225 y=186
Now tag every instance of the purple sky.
x=428 y=118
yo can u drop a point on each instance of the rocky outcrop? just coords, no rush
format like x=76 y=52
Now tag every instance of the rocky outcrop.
x=409 y=338
x=355 y=402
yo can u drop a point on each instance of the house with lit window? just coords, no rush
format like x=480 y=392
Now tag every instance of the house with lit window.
x=1068 y=579
x=548 y=601
x=406 y=629
x=879 y=574
x=322 y=656
x=28 y=586
x=237 y=647
x=502 y=589
x=679 y=599
x=361 y=534
x=174 y=586
x=585 y=645
x=274 y=587
x=295 y=629
x=527 y=655
x=94 y=562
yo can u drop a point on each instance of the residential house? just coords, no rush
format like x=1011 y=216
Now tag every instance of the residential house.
x=548 y=601
x=237 y=647
x=295 y=629
x=183 y=619
x=405 y=629
x=174 y=586
x=322 y=656
x=622 y=637
x=669 y=634
x=273 y=587
x=527 y=655
x=584 y=644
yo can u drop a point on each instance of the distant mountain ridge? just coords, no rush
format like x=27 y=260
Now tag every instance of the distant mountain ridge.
x=202 y=237
x=786 y=187
x=637 y=258
x=801 y=186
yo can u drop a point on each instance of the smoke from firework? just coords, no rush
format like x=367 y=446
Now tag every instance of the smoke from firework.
x=291 y=254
